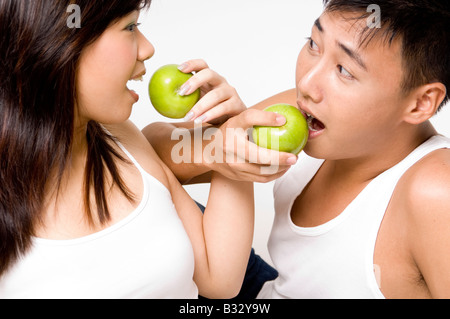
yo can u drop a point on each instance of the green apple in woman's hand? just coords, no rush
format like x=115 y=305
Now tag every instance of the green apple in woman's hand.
x=164 y=94
x=291 y=137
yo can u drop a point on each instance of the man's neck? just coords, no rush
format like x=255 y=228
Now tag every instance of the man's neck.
x=363 y=169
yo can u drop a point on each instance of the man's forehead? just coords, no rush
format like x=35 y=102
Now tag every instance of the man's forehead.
x=352 y=35
x=349 y=22
x=348 y=44
x=358 y=25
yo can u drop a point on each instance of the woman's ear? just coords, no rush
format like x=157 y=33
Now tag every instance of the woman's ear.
x=425 y=102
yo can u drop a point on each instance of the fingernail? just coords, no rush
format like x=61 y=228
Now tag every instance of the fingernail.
x=182 y=67
x=291 y=160
x=200 y=119
x=183 y=89
x=281 y=120
x=189 y=116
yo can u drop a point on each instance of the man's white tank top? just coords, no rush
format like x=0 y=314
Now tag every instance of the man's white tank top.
x=333 y=260
x=146 y=255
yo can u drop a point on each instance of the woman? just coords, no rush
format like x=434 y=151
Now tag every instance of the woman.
x=87 y=209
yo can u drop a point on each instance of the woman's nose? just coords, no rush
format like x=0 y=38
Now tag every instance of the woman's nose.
x=146 y=49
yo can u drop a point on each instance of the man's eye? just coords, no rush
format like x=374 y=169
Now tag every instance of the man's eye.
x=313 y=45
x=344 y=72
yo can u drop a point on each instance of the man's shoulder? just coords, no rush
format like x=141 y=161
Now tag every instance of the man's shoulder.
x=424 y=189
x=418 y=223
x=423 y=202
x=429 y=176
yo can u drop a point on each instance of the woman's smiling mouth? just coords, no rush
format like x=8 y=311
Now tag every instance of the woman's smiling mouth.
x=140 y=78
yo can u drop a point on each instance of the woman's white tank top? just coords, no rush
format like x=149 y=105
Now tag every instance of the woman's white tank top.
x=146 y=255
x=333 y=260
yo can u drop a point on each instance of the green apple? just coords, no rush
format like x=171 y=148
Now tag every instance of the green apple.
x=290 y=138
x=163 y=90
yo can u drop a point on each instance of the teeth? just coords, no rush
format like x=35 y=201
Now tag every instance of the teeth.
x=309 y=117
x=309 y=120
x=141 y=78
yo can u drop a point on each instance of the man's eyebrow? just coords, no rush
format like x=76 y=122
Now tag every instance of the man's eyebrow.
x=353 y=55
x=318 y=25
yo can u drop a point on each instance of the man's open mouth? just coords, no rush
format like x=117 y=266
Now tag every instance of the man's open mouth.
x=314 y=124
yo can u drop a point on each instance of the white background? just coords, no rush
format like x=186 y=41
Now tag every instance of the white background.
x=253 y=43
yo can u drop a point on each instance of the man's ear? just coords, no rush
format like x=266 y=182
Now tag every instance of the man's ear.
x=425 y=102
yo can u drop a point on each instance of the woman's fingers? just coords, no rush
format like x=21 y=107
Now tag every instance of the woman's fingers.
x=193 y=66
x=219 y=100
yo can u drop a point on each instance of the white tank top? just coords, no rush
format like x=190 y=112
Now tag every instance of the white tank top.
x=333 y=260
x=146 y=255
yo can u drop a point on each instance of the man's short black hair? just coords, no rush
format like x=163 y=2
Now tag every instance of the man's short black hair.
x=424 y=29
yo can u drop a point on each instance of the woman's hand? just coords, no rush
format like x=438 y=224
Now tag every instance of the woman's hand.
x=219 y=101
x=244 y=160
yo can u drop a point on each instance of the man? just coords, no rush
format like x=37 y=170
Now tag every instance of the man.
x=364 y=212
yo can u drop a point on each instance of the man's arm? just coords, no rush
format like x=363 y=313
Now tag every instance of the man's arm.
x=428 y=220
x=159 y=135
x=288 y=97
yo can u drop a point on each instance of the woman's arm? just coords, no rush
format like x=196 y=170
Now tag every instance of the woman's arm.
x=221 y=237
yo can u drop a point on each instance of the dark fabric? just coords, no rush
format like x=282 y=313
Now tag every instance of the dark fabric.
x=258 y=272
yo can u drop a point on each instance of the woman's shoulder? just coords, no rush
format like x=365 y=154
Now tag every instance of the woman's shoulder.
x=132 y=139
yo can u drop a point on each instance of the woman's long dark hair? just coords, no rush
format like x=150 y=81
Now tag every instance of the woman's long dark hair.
x=39 y=55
